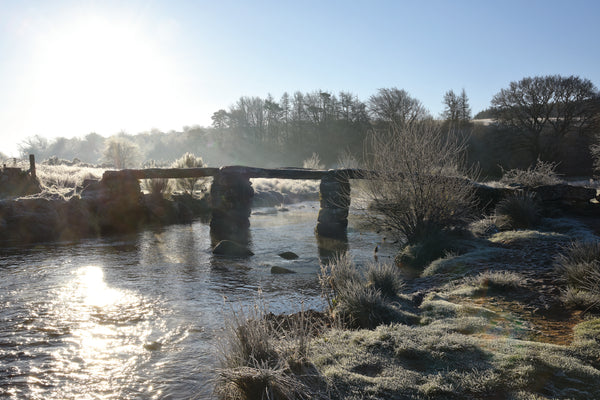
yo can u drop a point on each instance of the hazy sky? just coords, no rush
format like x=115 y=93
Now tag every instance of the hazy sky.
x=68 y=68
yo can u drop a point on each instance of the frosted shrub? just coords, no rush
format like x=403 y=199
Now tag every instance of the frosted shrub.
x=313 y=162
x=190 y=185
x=417 y=185
x=542 y=173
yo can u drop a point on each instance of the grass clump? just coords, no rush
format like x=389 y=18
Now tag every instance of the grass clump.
x=385 y=278
x=359 y=301
x=579 y=266
x=518 y=211
x=432 y=247
x=461 y=264
x=495 y=280
x=261 y=359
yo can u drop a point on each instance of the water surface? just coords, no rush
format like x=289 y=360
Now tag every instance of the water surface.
x=139 y=316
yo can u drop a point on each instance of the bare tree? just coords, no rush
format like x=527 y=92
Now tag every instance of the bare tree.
x=451 y=109
x=122 y=152
x=396 y=107
x=417 y=182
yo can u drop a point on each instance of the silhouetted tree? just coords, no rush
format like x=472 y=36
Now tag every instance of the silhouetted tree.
x=553 y=104
x=220 y=119
x=396 y=107
x=457 y=111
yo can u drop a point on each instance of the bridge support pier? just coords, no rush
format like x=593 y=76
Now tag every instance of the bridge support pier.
x=231 y=198
x=335 y=202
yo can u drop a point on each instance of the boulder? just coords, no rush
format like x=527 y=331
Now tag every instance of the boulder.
x=288 y=255
x=280 y=270
x=231 y=248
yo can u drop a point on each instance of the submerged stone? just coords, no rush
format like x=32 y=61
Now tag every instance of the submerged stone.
x=288 y=255
x=231 y=248
x=281 y=270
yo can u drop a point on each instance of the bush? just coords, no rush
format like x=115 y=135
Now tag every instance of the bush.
x=542 y=173
x=313 y=162
x=189 y=185
x=157 y=187
x=518 y=211
x=416 y=184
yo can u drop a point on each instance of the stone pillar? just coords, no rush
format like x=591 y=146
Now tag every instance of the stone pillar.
x=231 y=197
x=119 y=203
x=335 y=201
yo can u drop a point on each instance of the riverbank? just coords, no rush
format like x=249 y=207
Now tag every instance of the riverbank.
x=494 y=322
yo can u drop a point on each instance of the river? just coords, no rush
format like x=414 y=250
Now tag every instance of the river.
x=140 y=316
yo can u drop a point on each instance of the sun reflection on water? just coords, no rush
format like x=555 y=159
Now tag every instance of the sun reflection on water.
x=94 y=290
x=106 y=345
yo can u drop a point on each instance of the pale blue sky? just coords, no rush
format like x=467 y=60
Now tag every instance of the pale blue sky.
x=68 y=68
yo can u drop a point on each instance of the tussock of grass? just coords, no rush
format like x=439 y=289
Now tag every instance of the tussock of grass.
x=420 y=254
x=483 y=228
x=497 y=280
x=518 y=211
x=579 y=265
x=262 y=359
x=385 y=278
x=357 y=301
x=437 y=308
x=462 y=264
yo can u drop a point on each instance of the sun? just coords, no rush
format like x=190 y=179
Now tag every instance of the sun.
x=98 y=73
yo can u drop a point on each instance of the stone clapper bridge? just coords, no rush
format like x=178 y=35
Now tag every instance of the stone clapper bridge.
x=231 y=193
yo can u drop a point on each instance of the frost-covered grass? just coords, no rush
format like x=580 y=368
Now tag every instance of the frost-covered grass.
x=459 y=344
x=64 y=176
x=286 y=186
x=435 y=361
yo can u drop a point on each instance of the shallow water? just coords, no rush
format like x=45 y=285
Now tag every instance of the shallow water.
x=139 y=316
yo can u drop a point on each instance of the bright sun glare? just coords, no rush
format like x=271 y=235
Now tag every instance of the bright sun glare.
x=98 y=74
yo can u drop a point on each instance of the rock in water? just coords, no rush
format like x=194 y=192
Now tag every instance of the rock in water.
x=281 y=270
x=288 y=255
x=230 y=248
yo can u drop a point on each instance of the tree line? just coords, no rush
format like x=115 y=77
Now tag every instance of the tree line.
x=553 y=118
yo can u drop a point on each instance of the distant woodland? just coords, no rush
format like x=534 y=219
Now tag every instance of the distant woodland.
x=552 y=118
